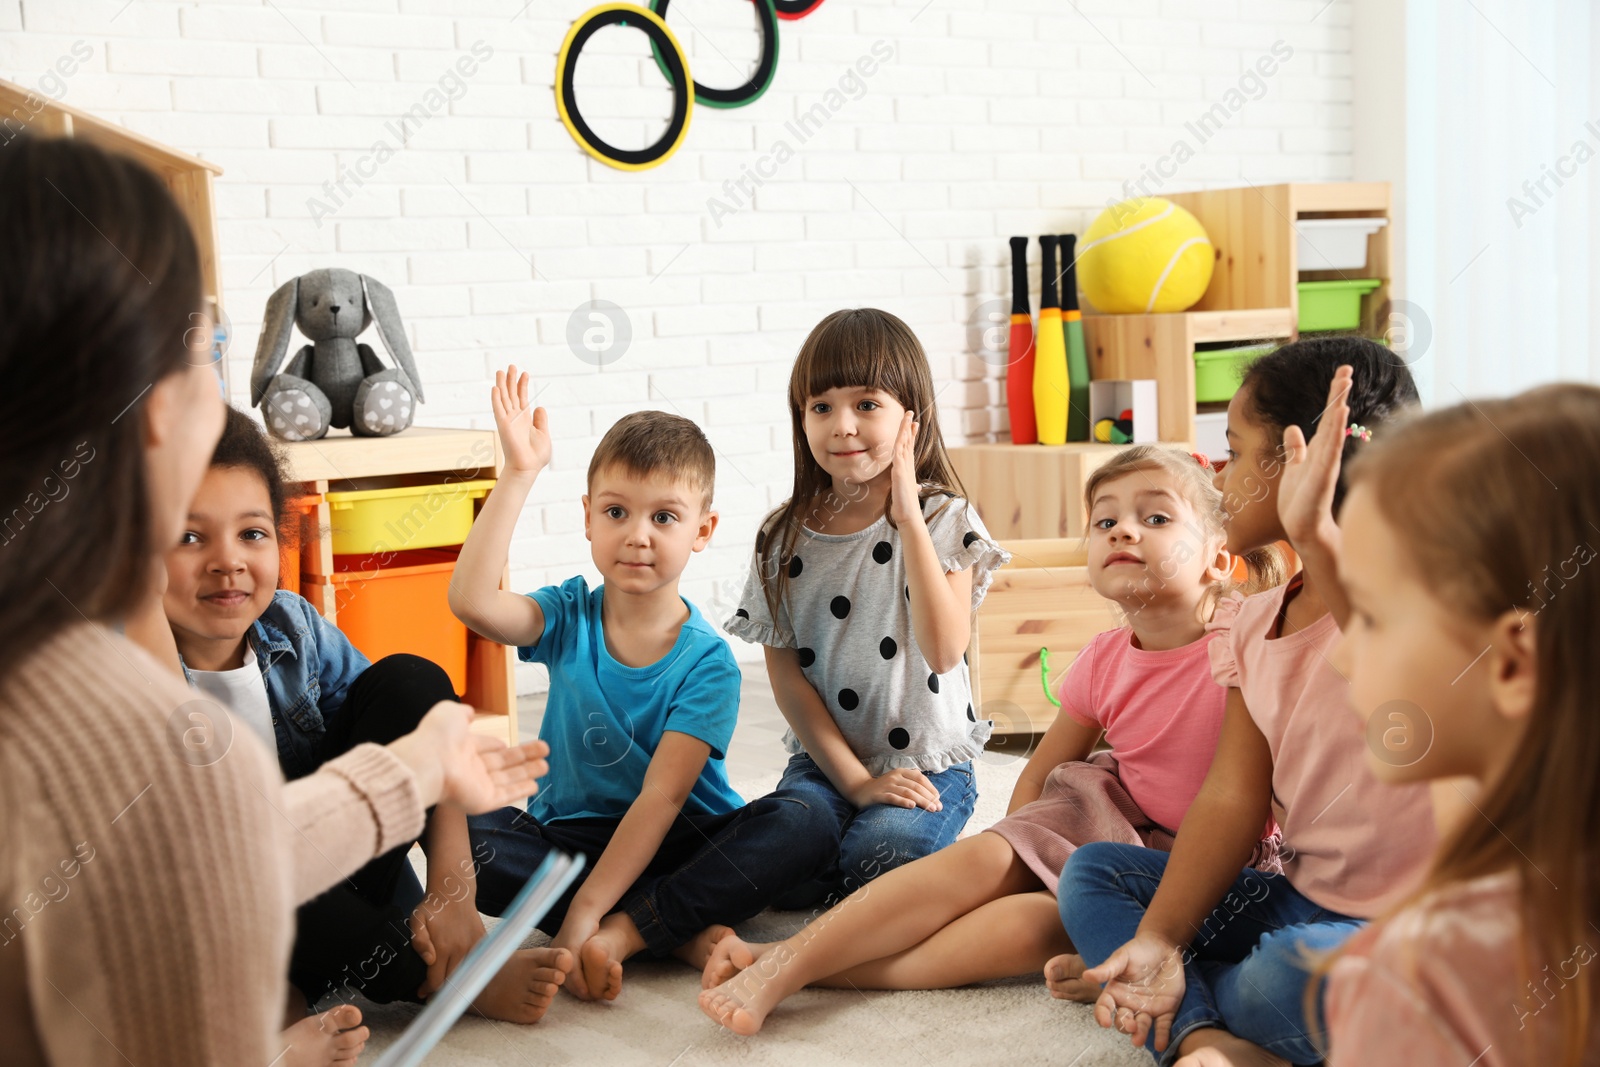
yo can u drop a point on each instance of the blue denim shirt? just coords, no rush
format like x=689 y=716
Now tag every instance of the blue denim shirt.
x=308 y=665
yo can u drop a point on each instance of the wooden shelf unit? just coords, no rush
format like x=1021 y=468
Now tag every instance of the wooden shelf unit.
x=1034 y=491
x=339 y=462
x=1163 y=346
x=1258 y=251
x=189 y=178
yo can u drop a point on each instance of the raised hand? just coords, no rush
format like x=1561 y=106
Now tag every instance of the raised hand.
x=524 y=435
x=904 y=506
x=1143 y=986
x=1311 y=472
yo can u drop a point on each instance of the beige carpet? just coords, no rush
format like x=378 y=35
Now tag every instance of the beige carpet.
x=655 y=1022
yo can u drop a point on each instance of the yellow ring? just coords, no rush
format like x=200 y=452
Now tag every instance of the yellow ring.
x=575 y=124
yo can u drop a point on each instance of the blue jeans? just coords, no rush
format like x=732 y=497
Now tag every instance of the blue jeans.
x=708 y=869
x=877 y=838
x=1245 y=971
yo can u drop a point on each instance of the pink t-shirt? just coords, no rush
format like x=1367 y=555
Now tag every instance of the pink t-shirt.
x=1160 y=710
x=1445 y=981
x=1350 y=842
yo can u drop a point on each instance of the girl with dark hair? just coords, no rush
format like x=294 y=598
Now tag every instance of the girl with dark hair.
x=1191 y=951
x=152 y=848
x=862 y=590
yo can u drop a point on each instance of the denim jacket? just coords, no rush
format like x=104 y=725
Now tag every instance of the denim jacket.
x=308 y=666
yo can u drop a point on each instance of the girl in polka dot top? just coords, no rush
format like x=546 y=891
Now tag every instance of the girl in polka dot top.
x=862 y=589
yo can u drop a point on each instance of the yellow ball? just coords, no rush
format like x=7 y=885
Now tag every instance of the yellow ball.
x=1143 y=256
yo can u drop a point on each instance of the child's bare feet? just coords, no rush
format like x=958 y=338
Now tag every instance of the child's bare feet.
x=730 y=954
x=697 y=953
x=1210 y=1047
x=1064 y=976
x=743 y=1002
x=600 y=958
x=525 y=987
x=333 y=1039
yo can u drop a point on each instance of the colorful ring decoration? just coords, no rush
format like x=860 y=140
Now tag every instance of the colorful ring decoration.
x=766 y=67
x=796 y=9
x=675 y=65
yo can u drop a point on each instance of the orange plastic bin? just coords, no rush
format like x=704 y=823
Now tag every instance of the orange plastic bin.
x=401 y=607
x=304 y=510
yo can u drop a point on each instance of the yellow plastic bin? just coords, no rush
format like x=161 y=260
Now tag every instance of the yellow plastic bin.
x=403 y=606
x=368 y=521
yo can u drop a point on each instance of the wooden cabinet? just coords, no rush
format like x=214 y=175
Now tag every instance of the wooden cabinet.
x=420 y=455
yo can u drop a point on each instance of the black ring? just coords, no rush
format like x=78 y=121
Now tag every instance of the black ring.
x=672 y=61
x=766 y=67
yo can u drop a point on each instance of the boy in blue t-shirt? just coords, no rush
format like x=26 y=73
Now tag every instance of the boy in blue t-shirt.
x=643 y=698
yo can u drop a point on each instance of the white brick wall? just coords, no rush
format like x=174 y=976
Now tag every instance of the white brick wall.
x=993 y=117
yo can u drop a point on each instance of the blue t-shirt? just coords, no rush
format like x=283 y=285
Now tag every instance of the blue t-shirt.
x=604 y=719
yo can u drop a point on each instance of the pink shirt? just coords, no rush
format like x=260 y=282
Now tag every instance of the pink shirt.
x=1160 y=710
x=1350 y=842
x=1445 y=981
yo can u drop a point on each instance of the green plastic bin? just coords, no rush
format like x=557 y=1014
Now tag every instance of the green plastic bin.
x=1217 y=372
x=1333 y=305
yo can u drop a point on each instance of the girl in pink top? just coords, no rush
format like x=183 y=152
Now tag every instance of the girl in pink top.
x=1468 y=558
x=1197 y=958
x=983 y=907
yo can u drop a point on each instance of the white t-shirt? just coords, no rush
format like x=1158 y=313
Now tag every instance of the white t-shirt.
x=242 y=691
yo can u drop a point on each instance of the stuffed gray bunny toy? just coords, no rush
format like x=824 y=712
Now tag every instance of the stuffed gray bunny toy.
x=334 y=381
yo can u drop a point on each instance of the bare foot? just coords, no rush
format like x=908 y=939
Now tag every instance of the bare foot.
x=697 y=953
x=601 y=961
x=333 y=1039
x=743 y=1002
x=730 y=954
x=1210 y=1047
x=526 y=985
x=1064 y=976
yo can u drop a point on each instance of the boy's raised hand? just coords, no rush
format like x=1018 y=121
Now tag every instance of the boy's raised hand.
x=1311 y=472
x=524 y=434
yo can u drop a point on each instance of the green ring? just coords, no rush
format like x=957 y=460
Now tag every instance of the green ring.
x=766 y=67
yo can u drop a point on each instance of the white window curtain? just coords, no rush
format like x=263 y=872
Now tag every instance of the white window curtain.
x=1502 y=194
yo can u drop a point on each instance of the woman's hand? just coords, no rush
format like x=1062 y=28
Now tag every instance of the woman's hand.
x=1311 y=472
x=476 y=773
x=904 y=505
x=905 y=787
x=524 y=436
x=1143 y=986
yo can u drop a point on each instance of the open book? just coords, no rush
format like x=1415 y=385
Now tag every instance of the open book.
x=554 y=875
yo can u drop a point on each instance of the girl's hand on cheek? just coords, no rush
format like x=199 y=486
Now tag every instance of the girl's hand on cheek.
x=903 y=485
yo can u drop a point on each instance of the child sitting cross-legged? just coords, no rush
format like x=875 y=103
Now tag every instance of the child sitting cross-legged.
x=643 y=697
x=985 y=907
x=297 y=681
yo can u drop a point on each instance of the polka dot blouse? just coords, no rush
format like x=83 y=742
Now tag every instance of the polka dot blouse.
x=847 y=611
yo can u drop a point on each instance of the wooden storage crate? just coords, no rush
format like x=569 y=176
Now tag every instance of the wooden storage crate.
x=1041 y=599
